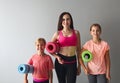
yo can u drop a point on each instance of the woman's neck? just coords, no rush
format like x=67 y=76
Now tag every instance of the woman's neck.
x=66 y=30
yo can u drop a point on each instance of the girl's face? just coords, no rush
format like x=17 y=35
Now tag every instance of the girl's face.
x=66 y=21
x=95 y=32
x=40 y=46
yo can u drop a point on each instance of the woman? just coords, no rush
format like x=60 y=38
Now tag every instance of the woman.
x=66 y=63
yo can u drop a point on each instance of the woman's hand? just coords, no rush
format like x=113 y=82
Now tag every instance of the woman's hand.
x=60 y=60
x=78 y=70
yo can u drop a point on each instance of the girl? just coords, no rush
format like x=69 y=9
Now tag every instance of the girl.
x=98 y=69
x=42 y=64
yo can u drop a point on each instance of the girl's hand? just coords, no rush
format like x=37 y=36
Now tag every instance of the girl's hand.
x=25 y=81
x=108 y=76
x=86 y=71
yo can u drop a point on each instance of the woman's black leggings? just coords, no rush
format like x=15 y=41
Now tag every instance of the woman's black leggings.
x=66 y=72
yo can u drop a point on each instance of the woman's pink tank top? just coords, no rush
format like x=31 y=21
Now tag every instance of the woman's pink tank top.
x=67 y=41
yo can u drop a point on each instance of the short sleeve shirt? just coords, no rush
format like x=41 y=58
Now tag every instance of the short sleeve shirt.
x=42 y=65
x=97 y=65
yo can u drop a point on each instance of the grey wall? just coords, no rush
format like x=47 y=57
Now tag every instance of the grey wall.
x=22 y=21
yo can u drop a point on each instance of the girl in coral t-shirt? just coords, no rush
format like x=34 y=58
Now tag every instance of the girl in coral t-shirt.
x=98 y=69
x=42 y=64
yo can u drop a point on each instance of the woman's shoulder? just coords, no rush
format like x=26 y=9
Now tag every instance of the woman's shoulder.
x=55 y=36
x=57 y=33
x=76 y=32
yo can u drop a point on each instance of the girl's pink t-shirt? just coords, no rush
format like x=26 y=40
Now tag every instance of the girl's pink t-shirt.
x=42 y=65
x=97 y=65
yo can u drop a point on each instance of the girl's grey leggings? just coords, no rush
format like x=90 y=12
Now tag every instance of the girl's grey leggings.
x=100 y=78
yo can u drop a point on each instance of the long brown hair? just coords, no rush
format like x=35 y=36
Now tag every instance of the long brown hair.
x=60 y=27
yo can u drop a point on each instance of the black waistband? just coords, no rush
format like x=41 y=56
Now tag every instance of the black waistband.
x=68 y=59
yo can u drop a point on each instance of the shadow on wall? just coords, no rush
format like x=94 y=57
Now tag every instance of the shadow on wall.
x=111 y=35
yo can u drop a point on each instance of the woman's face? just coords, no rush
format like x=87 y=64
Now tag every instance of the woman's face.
x=95 y=32
x=66 y=21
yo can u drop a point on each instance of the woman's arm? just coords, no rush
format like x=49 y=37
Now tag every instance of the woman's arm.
x=54 y=39
x=78 y=51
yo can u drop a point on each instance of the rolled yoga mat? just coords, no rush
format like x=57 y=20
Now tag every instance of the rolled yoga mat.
x=87 y=56
x=25 y=68
x=52 y=47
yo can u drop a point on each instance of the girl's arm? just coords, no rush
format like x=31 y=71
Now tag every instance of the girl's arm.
x=107 y=59
x=82 y=62
x=50 y=76
x=25 y=78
